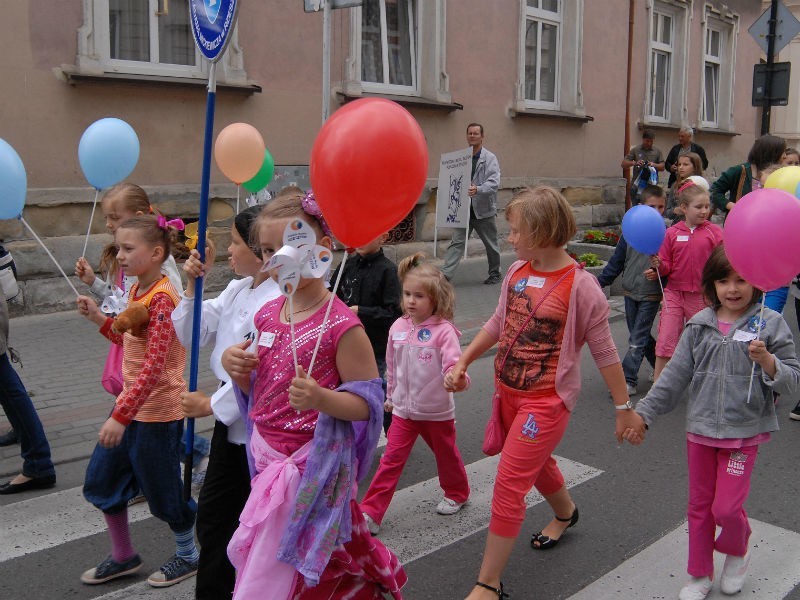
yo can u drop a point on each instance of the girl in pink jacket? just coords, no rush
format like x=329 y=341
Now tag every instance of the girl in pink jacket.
x=423 y=346
x=685 y=250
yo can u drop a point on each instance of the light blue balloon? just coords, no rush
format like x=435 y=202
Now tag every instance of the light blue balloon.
x=13 y=182
x=644 y=229
x=108 y=152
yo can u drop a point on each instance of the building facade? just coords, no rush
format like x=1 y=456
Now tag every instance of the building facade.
x=548 y=79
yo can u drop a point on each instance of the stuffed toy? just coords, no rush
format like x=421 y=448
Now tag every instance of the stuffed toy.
x=133 y=319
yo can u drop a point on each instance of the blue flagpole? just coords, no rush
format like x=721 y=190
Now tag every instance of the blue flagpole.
x=198 y=286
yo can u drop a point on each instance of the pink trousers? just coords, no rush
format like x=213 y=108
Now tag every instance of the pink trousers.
x=719 y=483
x=678 y=307
x=441 y=438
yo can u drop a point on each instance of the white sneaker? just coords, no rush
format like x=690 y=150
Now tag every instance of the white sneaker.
x=632 y=390
x=449 y=507
x=373 y=527
x=733 y=573
x=696 y=589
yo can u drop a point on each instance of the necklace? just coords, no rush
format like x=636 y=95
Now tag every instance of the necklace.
x=305 y=308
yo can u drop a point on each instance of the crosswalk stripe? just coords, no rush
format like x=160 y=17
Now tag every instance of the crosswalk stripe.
x=46 y=521
x=773 y=573
x=412 y=529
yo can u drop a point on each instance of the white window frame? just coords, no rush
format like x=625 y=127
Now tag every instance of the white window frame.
x=429 y=75
x=727 y=25
x=94 y=56
x=715 y=63
x=568 y=97
x=679 y=12
x=390 y=88
x=542 y=17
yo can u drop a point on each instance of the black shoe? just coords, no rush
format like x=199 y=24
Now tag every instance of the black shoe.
x=794 y=414
x=539 y=541
x=492 y=279
x=37 y=483
x=9 y=438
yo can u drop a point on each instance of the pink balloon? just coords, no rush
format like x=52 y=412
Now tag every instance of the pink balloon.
x=761 y=238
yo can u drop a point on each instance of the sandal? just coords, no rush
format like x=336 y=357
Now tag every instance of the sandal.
x=545 y=542
x=497 y=590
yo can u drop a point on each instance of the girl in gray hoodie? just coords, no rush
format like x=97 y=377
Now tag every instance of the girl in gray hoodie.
x=728 y=414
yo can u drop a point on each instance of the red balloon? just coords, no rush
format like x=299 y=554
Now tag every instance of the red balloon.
x=368 y=167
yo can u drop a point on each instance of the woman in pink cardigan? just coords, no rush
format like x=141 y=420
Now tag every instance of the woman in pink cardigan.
x=549 y=308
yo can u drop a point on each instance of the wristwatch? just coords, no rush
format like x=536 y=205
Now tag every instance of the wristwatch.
x=628 y=405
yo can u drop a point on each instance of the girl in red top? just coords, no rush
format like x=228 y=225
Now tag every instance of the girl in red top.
x=685 y=250
x=138 y=446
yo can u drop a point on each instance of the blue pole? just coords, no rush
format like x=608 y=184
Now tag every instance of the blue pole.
x=194 y=360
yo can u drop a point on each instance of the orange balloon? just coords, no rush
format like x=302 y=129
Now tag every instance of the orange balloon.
x=239 y=152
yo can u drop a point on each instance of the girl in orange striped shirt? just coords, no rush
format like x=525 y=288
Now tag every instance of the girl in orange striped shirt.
x=139 y=445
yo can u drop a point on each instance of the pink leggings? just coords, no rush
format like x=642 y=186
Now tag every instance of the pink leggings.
x=719 y=483
x=535 y=423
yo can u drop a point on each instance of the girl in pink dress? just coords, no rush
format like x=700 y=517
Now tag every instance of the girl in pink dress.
x=301 y=534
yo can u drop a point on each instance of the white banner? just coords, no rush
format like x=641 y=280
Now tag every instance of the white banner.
x=452 y=201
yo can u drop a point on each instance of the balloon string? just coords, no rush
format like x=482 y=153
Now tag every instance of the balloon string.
x=661 y=285
x=327 y=313
x=91 y=218
x=24 y=222
x=758 y=337
x=291 y=328
x=238 y=188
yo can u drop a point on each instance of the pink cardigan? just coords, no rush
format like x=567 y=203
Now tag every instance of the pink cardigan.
x=587 y=300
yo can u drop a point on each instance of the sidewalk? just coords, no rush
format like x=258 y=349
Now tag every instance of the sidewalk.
x=63 y=357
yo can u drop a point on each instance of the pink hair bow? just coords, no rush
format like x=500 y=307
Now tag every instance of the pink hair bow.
x=174 y=223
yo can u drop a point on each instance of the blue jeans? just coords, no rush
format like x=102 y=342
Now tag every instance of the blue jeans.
x=147 y=460
x=776 y=299
x=35 y=450
x=640 y=315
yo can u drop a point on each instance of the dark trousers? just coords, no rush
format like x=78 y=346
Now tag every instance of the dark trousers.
x=17 y=405
x=639 y=315
x=222 y=498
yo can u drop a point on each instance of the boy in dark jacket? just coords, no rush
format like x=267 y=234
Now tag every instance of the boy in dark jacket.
x=370 y=287
x=642 y=296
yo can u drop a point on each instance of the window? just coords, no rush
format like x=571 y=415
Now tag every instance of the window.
x=147 y=37
x=711 y=77
x=397 y=48
x=542 y=26
x=719 y=63
x=550 y=40
x=388 y=33
x=665 y=89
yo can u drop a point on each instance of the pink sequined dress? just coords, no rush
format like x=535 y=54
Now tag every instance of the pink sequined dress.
x=362 y=569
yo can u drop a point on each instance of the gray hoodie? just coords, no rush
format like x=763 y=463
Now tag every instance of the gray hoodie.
x=716 y=370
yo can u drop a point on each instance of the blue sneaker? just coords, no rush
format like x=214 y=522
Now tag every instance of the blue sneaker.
x=175 y=570
x=110 y=569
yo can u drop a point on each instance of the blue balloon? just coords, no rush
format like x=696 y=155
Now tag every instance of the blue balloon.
x=108 y=152
x=644 y=229
x=13 y=182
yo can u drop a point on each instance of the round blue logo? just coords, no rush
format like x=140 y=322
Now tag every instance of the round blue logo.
x=212 y=23
x=755 y=325
x=520 y=285
x=424 y=335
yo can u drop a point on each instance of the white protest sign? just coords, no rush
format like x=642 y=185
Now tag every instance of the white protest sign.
x=452 y=200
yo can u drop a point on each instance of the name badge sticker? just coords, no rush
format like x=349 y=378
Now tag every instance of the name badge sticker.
x=400 y=336
x=682 y=238
x=537 y=282
x=744 y=336
x=266 y=339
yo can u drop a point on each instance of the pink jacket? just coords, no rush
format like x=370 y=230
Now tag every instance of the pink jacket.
x=417 y=358
x=684 y=254
x=587 y=300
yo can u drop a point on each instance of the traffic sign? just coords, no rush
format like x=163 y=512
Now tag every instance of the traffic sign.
x=212 y=22
x=779 y=86
x=786 y=27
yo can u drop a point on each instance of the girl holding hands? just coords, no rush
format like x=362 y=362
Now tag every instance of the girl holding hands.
x=730 y=413
x=549 y=308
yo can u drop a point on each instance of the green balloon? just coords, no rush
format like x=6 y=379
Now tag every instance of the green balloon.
x=264 y=175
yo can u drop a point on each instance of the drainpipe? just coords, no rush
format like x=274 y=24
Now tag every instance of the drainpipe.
x=626 y=173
